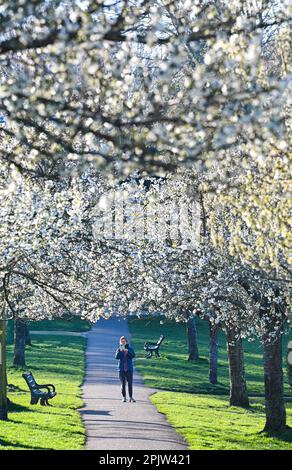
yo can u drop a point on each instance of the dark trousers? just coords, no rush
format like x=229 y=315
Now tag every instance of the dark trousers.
x=126 y=376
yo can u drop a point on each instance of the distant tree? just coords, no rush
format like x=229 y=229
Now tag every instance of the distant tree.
x=192 y=339
x=238 y=388
x=213 y=353
x=19 y=343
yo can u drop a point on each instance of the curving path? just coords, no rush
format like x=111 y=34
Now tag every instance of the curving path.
x=111 y=424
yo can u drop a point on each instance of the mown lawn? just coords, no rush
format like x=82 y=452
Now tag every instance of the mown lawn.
x=66 y=324
x=207 y=423
x=197 y=409
x=52 y=359
x=70 y=324
x=173 y=372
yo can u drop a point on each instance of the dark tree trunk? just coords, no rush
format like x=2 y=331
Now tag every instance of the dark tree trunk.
x=274 y=390
x=273 y=372
x=19 y=343
x=192 y=340
x=289 y=364
x=238 y=388
x=27 y=335
x=3 y=376
x=213 y=354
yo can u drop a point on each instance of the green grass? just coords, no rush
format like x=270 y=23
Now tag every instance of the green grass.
x=207 y=423
x=70 y=324
x=52 y=359
x=197 y=409
x=173 y=372
x=64 y=324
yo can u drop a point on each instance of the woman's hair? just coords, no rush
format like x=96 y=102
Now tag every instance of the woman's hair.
x=123 y=337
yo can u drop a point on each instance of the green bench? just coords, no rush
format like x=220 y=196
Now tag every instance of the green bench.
x=153 y=347
x=36 y=392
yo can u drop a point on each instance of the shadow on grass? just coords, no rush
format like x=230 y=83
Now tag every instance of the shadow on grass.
x=11 y=388
x=49 y=427
x=16 y=408
x=207 y=389
x=284 y=435
x=173 y=367
x=6 y=443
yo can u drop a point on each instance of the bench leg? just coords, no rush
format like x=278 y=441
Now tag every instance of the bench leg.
x=157 y=353
x=43 y=401
x=34 y=400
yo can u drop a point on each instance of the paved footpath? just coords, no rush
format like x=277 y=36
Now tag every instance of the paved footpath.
x=111 y=424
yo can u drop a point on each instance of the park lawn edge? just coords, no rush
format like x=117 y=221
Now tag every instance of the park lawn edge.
x=59 y=427
x=171 y=383
x=207 y=422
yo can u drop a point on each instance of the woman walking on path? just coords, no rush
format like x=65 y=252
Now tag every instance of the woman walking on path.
x=125 y=355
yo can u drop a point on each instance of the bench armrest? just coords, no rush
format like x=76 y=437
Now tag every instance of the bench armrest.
x=43 y=386
x=47 y=387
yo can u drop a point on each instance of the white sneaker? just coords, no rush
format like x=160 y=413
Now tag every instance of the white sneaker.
x=132 y=399
x=124 y=399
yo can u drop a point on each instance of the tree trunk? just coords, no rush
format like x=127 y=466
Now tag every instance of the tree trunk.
x=238 y=388
x=274 y=390
x=192 y=340
x=19 y=343
x=3 y=376
x=289 y=364
x=27 y=335
x=213 y=354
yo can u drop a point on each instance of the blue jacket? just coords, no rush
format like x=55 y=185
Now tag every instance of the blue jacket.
x=121 y=358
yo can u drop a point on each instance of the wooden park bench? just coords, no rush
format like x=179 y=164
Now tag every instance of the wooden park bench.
x=153 y=347
x=36 y=393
